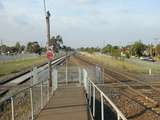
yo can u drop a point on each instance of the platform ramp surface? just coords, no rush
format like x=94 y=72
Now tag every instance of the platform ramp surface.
x=68 y=103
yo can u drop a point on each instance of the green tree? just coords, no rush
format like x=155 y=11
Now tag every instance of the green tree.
x=115 y=51
x=107 y=49
x=18 y=47
x=33 y=47
x=157 y=50
x=56 y=42
x=138 y=48
x=22 y=48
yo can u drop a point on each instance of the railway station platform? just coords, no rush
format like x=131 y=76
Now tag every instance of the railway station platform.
x=67 y=103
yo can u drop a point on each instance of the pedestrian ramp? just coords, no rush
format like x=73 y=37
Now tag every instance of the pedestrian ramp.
x=67 y=103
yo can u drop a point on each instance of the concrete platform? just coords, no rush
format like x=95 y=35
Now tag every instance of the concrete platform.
x=68 y=103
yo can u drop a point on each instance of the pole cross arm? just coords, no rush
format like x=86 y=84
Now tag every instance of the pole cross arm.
x=48 y=14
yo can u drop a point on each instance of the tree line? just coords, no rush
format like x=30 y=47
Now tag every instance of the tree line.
x=136 y=49
x=31 y=47
x=34 y=47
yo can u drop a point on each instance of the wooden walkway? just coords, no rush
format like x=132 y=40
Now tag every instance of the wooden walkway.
x=68 y=103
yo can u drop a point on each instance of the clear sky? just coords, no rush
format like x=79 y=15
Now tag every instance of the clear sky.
x=81 y=22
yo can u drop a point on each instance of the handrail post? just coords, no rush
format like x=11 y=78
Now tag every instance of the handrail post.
x=80 y=75
x=118 y=117
x=103 y=75
x=102 y=108
x=48 y=93
x=12 y=107
x=93 y=101
x=90 y=94
x=31 y=98
x=88 y=83
x=41 y=94
x=66 y=71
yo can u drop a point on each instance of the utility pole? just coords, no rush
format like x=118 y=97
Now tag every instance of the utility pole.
x=49 y=44
x=47 y=15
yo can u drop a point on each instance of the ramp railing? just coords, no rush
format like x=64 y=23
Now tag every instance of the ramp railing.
x=27 y=103
x=92 y=92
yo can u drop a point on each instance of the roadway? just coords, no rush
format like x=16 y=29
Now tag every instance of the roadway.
x=4 y=58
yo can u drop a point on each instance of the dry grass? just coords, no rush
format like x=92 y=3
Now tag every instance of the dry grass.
x=16 y=66
x=118 y=64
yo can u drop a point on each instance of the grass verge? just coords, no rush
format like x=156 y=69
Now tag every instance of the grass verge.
x=18 y=65
x=124 y=65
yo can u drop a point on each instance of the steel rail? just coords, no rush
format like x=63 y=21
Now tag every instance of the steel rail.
x=27 y=71
x=132 y=89
x=131 y=79
x=24 y=77
x=57 y=61
x=28 y=75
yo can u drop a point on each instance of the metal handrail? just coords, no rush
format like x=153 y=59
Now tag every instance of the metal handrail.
x=30 y=89
x=14 y=94
x=90 y=84
x=42 y=86
x=7 y=98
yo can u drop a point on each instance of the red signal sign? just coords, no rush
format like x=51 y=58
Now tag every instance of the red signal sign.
x=50 y=55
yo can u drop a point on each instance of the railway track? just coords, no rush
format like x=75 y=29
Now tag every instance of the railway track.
x=22 y=77
x=141 y=93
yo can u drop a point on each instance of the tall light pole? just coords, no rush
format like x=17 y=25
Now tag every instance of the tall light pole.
x=47 y=16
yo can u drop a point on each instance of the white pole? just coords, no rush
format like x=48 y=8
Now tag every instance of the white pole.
x=93 y=101
x=31 y=98
x=90 y=94
x=12 y=106
x=41 y=95
x=80 y=75
x=48 y=93
x=118 y=117
x=102 y=108
x=66 y=72
x=103 y=75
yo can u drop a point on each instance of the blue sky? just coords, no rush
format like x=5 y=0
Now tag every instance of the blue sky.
x=81 y=22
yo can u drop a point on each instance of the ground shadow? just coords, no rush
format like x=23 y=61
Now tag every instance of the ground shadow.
x=109 y=114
